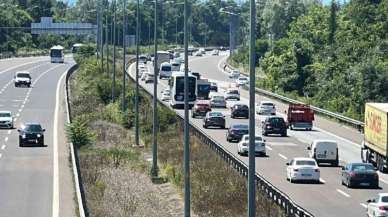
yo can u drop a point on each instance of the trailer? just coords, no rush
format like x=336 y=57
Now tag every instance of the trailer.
x=300 y=116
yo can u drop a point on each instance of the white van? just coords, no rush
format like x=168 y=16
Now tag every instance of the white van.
x=165 y=70
x=324 y=151
x=175 y=66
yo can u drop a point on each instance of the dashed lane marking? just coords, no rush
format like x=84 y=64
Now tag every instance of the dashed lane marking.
x=9 y=131
x=322 y=180
x=269 y=148
x=343 y=193
x=282 y=156
x=6 y=139
x=363 y=205
x=3 y=147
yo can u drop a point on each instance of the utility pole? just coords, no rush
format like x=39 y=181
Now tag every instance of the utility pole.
x=101 y=23
x=107 y=38
x=114 y=53
x=137 y=76
x=123 y=103
x=186 y=118
x=251 y=151
x=154 y=171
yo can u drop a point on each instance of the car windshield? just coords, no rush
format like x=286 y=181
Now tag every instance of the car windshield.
x=384 y=199
x=218 y=97
x=215 y=114
x=305 y=162
x=5 y=115
x=240 y=127
x=267 y=104
x=243 y=79
x=23 y=75
x=33 y=128
x=362 y=167
x=276 y=120
x=241 y=106
x=233 y=91
x=166 y=68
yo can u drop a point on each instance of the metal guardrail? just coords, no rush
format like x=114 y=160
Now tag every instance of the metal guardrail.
x=276 y=195
x=79 y=189
x=358 y=124
x=10 y=55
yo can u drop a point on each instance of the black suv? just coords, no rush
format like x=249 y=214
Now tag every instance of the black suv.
x=214 y=119
x=239 y=111
x=31 y=133
x=236 y=131
x=274 y=125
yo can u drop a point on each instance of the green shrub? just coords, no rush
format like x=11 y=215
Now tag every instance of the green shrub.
x=79 y=133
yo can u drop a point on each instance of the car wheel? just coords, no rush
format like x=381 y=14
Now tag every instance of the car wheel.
x=20 y=142
x=284 y=134
x=223 y=127
x=232 y=116
x=349 y=183
x=265 y=134
x=205 y=126
x=28 y=85
x=193 y=115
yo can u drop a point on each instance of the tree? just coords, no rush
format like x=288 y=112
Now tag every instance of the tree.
x=332 y=22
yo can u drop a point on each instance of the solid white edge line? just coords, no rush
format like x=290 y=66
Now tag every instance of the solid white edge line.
x=363 y=205
x=282 y=156
x=74 y=165
x=269 y=147
x=55 y=152
x=342 y=192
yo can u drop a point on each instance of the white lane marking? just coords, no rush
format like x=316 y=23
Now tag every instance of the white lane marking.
x=282 y=156
x=363 y=205
x=17 y=115
x=269 y=148
x=55 y=152
x=0 y=155
x=3 y=147
x=20 y=110
x=322 y=180
x=22 y=106
x=6 y=139
x=343 y=193
x=9 y=131
x=15 y=119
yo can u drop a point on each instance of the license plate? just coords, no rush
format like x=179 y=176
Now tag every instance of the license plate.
x=276 y=128
x=306 y=174
x=321 y=156
x=364 y=184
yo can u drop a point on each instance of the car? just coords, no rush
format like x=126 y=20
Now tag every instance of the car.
x=303 y=169
x=214 y=119
x=359 y=174
x=143 y=76
x=243 y=146
x=166 y=94
x=22 y=78
x=149 y=78
x=215 y=52
x=31 y=133
x=217 y=101
x=265 y=108
x=213 y=87
x=175 y=66
x=378 y=206
x=198 y=54
x=274 y=125
x=234 y=73
x=242 y=80
x=324 y=151
x=200 y=108
x=232 y=93
x=239 y=111
x=6 y=119
x=165 y=70
x=236 y=132
x=143 y=59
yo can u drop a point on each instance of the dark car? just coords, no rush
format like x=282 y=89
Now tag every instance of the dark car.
x=213 y=86
x=360 y=174
x=201 y=107
x=214 y=119
x=239 y=111
x=236 y=132
x=274 y=125
x=31 y=133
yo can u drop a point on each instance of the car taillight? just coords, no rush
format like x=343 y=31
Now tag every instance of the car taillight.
x=269 y=126
x=296 y=170
x=383 y=208
x=316 y=170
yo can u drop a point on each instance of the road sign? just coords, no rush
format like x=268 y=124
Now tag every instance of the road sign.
x=46 y=26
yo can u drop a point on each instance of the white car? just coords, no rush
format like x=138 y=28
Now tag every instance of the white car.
x=198 y=54
x=234 y=73
x=215 y=52
x=232 y=93
x=22 y=78
x=303 y=169
x=378 y=206
x=166 y=95
x=265 y=108
x=6 y=119
x=243 y=146
x=242 y=80
x=149 y=78
x=143 y=76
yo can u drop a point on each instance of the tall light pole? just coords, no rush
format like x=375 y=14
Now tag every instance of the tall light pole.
x=186 y=118
x=154 y=169
x=231 y=29
x=137 y=76
x=114 y=53
x=107 y=38
x=123 y=103
x=251 y=152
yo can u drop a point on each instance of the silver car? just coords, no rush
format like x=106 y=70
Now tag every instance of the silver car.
x=217 y=101
x=265 y=108
x=6 y=119
x=232 y=93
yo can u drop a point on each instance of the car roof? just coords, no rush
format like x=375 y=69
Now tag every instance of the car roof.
x=25 y=72
x=324 y=140
x=5 y=112
x=261 y=102
x=203 y=102
x=303 y=158
x=235 y=125
x=383 y=194
x=240 y=104
x=31 y=123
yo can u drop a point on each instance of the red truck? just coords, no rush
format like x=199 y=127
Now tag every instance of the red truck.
x=300 y=116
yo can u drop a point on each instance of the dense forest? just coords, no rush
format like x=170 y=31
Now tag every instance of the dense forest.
x=333 y=56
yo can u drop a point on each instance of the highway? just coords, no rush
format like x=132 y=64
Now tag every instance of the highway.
x=327 y=199
x=35 y=181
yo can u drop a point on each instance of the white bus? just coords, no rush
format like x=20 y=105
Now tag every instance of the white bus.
x=56 y=54
x=177 y=89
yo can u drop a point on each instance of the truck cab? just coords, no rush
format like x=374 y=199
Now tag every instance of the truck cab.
x=300 y=116
x=203 y=89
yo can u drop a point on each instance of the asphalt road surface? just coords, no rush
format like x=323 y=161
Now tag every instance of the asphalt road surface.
x=35 y=181
x=327 y=199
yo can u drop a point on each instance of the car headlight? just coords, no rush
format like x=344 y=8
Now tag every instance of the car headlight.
x=38 y=135
x=24 y=136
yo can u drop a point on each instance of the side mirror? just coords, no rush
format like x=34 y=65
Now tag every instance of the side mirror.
x=308 y=148
x=43 y=130
x=19 y=130
x=369 y=201
x=343 y=168
x=264 y=140
x=288 y=164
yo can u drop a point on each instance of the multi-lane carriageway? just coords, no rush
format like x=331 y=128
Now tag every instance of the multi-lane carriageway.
x=327 y=199
x=35 y=181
